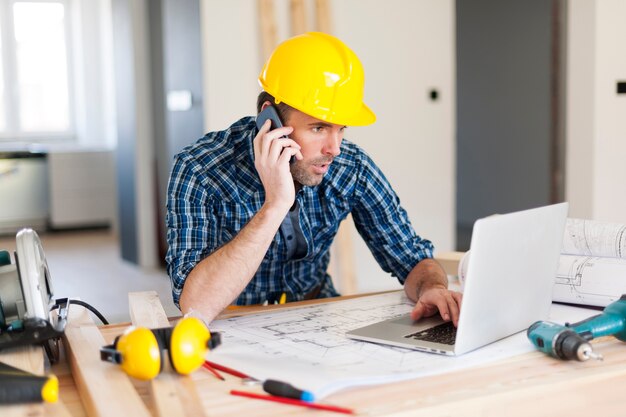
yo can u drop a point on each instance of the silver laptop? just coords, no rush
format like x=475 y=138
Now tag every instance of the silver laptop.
x=508 y=286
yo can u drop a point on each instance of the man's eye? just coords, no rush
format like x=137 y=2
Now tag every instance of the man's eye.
x=318 y=129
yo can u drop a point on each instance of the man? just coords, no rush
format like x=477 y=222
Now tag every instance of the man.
x=245 y=223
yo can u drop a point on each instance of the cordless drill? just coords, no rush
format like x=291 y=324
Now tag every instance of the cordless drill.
x=571 y=341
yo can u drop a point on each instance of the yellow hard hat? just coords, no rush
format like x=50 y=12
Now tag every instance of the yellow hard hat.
x=319 y=75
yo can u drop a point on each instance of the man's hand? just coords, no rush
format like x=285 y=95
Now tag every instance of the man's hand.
x=438 y=299
x=427 y=285
x=272 y=153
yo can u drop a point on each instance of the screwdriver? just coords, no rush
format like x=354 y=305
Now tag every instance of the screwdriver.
x=18 y=386
x=285 y=390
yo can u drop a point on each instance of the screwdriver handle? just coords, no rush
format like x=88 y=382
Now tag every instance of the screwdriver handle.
x=18 y=386
x=285 y=390
x=28 y=390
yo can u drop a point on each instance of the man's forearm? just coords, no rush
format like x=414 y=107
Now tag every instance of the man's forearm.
x=219 y=278
x=426 y=274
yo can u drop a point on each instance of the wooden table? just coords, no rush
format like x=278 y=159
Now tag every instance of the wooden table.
x=527 y=385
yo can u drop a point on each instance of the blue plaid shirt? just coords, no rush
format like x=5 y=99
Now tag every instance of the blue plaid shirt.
x=214 y=191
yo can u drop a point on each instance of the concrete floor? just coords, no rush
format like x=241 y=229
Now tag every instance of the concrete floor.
x=87 y=265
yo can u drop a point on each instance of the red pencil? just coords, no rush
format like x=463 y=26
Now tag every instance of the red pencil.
x=209 y=368
x=225 y=369
x=292 y=402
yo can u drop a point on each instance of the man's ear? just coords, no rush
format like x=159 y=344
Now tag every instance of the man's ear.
x=265 y=104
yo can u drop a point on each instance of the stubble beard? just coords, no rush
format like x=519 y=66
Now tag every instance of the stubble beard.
x=300 y=173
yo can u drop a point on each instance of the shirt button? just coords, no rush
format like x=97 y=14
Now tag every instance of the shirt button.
x=289 y=237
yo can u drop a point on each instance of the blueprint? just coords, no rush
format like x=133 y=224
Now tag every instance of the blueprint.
x=307 y=346
x=594 y=238
x=592 y=267
x=589 y=280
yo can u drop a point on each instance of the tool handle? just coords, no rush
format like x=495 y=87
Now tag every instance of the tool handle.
x=18 y=386
x=23 y=390
x=283 y=389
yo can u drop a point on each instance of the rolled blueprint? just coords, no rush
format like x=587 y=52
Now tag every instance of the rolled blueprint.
x=589 y=280
x=594 y=238
x=592 y=266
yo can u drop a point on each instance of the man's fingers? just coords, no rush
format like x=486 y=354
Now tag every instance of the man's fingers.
x=447 y=303
x=453 y=308
x=422 y=310
x=278 y=146
x=458 y=297
x=418 y=311
x=442 y=306
x=287 y=153
x=268 y=140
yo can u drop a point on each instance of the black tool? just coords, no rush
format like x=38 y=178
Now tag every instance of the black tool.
x=285 y=390
x=18 y=386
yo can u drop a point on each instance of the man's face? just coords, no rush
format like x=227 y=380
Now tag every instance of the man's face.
x=319 y=141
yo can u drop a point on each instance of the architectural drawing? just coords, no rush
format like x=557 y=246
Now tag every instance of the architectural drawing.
x=307 y=346
x=593 y=238
x=589 y=280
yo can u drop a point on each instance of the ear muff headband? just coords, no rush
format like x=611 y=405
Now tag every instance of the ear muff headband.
x=188 y=345
x=140 y=353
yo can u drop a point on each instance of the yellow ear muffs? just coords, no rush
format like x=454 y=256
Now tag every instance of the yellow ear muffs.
x=188 y=345
x=137 y=351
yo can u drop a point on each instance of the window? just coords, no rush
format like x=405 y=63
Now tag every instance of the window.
x=35 y=99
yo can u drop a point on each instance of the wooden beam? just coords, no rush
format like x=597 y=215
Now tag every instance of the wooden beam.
x=324 y=22
x=297 y=13
x=146 y=310
x=450 y=261
x=268 y=28
x=28 y=358
x=342 y=265
x=172 y=394
x=104 y=388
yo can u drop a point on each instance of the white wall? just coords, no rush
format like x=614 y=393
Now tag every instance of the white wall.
x=407 y=48
x=596 y=134
x=94 y=101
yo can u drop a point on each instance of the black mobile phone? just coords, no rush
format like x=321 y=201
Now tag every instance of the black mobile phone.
x=270 y=113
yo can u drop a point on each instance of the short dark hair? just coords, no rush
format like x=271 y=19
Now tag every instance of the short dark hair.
x=282 y=108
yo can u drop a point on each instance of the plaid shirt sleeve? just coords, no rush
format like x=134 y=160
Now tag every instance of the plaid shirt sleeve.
x=190 y=222
x=384 y=225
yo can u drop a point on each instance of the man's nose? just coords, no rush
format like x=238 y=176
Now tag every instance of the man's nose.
x=333 y=144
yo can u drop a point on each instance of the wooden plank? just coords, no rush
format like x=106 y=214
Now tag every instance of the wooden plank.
x=324 y=22
x=104 y=388
x=342 y=266
x=69 y=403
x=29 y=359
x=267 y=21
x=146 y=310
x=172 y=394
x=297 y=14
x=450 y=261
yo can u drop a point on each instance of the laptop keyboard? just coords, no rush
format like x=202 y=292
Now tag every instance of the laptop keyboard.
x=444 y=333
